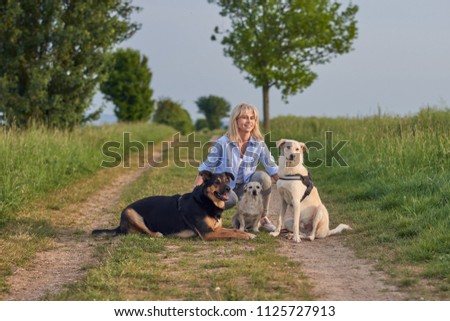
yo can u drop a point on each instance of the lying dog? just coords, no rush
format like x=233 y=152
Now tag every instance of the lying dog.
x=250 y=208
x=296 y=189
x=197 y=213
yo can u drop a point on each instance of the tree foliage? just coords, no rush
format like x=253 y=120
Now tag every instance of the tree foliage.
x=276 y=42
x=52 y=57
x=214 y=108
x=201 y=124
x=128 y=86
x=173 y=114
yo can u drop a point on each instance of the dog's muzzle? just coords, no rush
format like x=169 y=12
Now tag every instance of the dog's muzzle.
x=223 y=196
x=292 y=160
x=291 y=157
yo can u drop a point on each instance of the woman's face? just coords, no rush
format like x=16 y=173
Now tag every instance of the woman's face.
x=246 y=122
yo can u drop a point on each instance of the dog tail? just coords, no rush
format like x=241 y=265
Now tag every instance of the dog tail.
x=115 y=231
x=339 y=229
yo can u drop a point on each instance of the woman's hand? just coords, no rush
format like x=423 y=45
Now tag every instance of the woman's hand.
x=198 y=181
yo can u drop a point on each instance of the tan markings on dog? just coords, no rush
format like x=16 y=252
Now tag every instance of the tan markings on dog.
x=219 y=233
x=210 y=193
x=135 y=223
x=186 y=234
x=227 y=234
x=213 y=223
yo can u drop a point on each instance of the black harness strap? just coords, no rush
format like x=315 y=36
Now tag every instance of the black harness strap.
x=189 y=224
x=306 y=180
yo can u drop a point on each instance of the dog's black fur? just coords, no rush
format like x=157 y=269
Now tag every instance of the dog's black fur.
x=196 y=213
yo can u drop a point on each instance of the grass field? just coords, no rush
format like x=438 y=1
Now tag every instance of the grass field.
x=139 y=268
x=394 y=188
x=389 y=177
x=42 y=171
x=37 y=161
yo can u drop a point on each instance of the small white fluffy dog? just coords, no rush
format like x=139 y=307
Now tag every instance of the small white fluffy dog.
x=310 y=214
x=250 y=208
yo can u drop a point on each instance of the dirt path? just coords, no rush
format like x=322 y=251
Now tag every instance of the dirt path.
x=66 y=263
x=333 y=269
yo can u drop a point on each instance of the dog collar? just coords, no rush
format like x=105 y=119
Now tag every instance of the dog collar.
x=306 y=180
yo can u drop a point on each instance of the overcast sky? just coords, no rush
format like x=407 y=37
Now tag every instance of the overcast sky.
x=399 y=64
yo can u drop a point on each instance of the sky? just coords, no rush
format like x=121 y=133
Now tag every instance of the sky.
x=400 y=61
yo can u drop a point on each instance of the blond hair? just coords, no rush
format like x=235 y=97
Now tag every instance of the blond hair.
x=233 y=133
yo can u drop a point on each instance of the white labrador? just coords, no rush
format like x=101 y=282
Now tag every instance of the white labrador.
x=309 y=214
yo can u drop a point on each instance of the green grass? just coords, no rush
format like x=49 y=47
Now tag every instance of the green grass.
x=395 y=190
x=46 y=171
x=35 y=162
x=141 y=268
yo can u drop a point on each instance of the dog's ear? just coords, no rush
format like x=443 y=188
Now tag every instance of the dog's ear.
x=206 y=175
x=280 y=144
x=245 y=187
x=230 y=176
x=304 y=147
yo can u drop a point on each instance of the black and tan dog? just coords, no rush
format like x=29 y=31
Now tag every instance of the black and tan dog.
x=197 y=213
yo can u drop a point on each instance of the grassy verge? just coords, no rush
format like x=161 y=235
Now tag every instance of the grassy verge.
x=390 y=181
x=393 y=187
x=139 y=268
x=45 y=171
x=35 y=162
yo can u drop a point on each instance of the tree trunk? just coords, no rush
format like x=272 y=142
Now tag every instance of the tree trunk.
x=266 y=108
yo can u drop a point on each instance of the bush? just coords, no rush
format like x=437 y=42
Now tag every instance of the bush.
x=172 y=114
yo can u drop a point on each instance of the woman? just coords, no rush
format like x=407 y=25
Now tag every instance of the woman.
x=239 y=152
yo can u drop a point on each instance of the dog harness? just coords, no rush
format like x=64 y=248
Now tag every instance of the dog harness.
x=306 y=180
x=191 y=226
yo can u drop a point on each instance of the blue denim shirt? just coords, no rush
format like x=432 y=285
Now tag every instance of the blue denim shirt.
x=225 y=157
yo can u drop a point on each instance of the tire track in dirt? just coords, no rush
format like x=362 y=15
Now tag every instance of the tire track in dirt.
x=66 y=263
x=334 y=270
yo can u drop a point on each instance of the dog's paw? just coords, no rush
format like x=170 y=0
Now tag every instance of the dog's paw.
x=251 y=236
x=158 y=234
x=275 y=234
x=297 y=238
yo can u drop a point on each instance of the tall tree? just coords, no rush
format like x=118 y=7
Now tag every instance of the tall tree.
x=214 y=108
x=173 y=114
x=276 y=42
x=128 y=86
x=52 y=57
